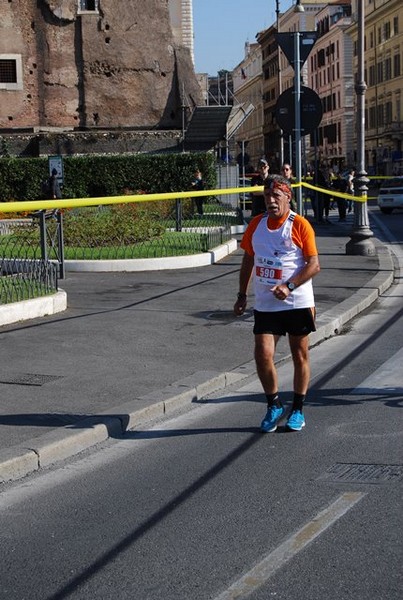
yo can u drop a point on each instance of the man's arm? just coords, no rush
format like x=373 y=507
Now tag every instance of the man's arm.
x=311 y=268
x=244 y=278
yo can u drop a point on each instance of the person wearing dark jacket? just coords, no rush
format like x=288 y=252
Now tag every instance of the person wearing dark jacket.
x=54 y=187
x=322 y=181
x=197 y=183
x=258 y=202
x=340 y=185
x=286 y=171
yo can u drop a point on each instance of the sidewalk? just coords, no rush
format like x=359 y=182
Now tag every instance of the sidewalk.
x=134 y=346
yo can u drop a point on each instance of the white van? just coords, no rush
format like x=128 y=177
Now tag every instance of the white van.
x=391 y=194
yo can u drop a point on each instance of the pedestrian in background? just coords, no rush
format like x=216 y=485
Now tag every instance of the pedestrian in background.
x=286 y=171
x=322 y=199
x=280 y=255
x=258 y=203
x=54 y=186
x=350 y=188
x=197 y=183
x=340 y=185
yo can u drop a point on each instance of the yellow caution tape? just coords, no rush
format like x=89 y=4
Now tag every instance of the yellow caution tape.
x=332 y=193
x=34 y=205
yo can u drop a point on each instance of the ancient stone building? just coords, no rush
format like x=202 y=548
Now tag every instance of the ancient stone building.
x=92 y=64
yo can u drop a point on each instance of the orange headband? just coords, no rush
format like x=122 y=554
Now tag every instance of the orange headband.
x=277 y=185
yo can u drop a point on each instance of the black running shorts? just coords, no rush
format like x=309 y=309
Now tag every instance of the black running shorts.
x=297 y=321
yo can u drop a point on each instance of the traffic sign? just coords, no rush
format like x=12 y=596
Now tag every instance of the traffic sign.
x=56 y=162
x=286 y=42
x=311 y=110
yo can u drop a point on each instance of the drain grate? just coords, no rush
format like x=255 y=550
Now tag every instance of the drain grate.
x=29 y=379
x=362 y=473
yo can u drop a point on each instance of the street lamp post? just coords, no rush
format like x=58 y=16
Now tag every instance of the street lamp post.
x=360 y=242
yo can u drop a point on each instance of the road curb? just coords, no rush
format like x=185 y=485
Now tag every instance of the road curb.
x=34 y=308
x=333 y=320
x=57 y=445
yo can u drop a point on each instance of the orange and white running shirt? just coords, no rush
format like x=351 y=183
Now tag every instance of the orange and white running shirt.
x=279 y=248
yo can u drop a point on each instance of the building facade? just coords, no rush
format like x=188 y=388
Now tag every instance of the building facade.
x=279 y=76
x=181 y=16
x=247 y=81
x=271 y=90
x=383 y=44
x=330 y=70
x=95 y=65
x=330 y=74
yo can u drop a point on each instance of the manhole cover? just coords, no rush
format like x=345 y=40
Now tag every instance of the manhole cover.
x=362 y=473
x=29 y=379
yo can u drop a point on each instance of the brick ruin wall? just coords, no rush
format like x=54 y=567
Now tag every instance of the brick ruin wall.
x=115 y=69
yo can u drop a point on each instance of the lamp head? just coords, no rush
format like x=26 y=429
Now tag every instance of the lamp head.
x=298 y=8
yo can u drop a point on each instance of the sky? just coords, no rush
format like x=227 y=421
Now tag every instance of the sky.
x=222 y=27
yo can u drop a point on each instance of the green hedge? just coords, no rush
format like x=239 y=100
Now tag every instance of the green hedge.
x=99 y=176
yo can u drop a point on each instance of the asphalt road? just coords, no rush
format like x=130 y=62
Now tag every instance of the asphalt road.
x=204 y=506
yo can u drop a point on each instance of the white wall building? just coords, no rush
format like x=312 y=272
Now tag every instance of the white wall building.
x=181 y=14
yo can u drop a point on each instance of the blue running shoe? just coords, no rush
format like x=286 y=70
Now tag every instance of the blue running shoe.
x=273 y=415
x=296 y=421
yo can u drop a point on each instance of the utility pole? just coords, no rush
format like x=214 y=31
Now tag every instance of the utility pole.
x=360 y=242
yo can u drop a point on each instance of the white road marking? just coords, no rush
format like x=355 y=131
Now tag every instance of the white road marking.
x=257 y=576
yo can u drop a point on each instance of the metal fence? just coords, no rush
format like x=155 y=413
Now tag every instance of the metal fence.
x=33 y=249
x=149 y=230
x=24 y=274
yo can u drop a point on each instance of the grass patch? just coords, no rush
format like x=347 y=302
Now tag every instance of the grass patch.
x=170 y=244
x=15 y=288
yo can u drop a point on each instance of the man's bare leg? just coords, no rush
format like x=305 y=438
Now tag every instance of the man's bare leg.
x=299 y=346
x=265 y=348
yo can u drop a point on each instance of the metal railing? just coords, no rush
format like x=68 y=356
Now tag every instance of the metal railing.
x=33 y=249
x=51 y=238
x=23 y=272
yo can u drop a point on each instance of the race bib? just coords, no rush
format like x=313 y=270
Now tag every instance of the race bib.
x=268 y=271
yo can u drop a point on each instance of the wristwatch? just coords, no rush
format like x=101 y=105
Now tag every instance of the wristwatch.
x=291 y=285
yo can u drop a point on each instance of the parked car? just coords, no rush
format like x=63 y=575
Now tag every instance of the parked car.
x=390 y=194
